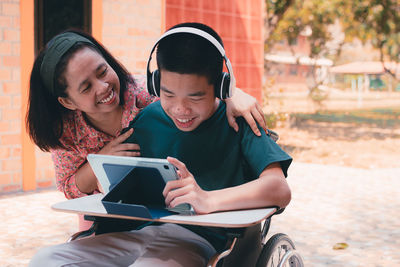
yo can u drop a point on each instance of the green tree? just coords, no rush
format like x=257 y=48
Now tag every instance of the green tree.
x=275 y=10
x=316 y=17
x=298 y=16
x=378 y=22
x=374 y=21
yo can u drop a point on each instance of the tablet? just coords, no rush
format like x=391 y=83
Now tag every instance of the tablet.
x=135 y=181
x=110 y=170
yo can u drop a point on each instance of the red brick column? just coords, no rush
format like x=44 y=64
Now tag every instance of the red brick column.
x=10 y=98
x=130 y=28
x=239 y=23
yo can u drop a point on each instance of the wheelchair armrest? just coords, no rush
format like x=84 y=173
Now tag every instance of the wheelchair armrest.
x=279 y=211
x=274 y=136
x=242 y=248
x=90 y=218
x=235 y=232
x=85 y=233
x=213 y=261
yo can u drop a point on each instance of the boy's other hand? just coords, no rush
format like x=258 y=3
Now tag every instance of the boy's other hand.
x=245 y=105
x=118 y=148
x=186 y=190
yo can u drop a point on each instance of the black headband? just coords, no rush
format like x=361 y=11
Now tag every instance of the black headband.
x=57 y=47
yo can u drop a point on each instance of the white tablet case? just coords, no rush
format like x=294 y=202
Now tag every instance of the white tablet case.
x=110 y=170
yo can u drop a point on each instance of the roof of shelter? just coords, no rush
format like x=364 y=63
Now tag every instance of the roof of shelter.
x=302 y=60
x=364 y=67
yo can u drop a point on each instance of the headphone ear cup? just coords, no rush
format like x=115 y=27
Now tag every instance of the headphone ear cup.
x=222 y=87
x=153 y=83
x=156 y=82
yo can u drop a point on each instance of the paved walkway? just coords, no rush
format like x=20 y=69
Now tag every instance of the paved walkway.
x=329 y=205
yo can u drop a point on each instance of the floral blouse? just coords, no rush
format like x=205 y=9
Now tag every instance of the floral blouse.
x=81 y=139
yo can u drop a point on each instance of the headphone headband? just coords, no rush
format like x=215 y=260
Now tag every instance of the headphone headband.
x=194 y=31
x=211 y=39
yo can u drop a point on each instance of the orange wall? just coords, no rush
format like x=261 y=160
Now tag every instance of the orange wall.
x=127 y=28
x=130 y=28
x=10 y=97
x=239 y=23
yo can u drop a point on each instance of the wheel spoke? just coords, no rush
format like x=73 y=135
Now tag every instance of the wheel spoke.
x=279 y=250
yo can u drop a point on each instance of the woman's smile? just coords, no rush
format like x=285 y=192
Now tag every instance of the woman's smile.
x=109 y=99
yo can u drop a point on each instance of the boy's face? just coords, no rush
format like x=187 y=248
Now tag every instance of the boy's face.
x=188 y=99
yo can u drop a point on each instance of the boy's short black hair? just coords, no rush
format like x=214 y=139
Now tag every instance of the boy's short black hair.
x=188 y=53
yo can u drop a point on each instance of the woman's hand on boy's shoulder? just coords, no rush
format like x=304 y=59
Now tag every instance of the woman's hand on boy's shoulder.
x=245 y=105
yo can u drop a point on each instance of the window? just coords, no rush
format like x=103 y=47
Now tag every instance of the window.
x=54 y=16
x=293 y=70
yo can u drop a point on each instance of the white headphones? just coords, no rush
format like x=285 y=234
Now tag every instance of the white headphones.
x=224 y=87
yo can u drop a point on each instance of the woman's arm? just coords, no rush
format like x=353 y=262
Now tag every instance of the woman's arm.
x=74 y=175
x=68 y=164
x=245 y=105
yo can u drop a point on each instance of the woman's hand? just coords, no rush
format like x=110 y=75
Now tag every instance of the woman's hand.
x=245 y=105
x=118 y=148
x=186 y=190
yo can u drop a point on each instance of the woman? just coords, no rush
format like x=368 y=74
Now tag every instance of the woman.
x=81 y=97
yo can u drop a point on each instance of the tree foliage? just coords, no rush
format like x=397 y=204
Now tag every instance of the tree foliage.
x=374 y=21
x=315 y=16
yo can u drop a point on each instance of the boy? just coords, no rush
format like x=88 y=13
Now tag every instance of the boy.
x=219 y=169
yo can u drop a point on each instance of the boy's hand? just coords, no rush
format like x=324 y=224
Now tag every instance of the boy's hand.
x=186 y=190
x=118 y=148
x=245 y=105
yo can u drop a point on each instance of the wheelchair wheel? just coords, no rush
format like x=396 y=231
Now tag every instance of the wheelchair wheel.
x=279 y=251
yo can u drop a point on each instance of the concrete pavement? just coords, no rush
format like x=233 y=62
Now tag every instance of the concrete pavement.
x=330 y=204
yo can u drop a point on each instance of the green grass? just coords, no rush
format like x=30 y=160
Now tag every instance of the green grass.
x=383 y=117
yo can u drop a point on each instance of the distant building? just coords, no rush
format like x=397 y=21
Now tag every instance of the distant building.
x=291 y=67
x=366 y=75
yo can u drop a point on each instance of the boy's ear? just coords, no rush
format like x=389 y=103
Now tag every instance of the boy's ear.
x=67 y=103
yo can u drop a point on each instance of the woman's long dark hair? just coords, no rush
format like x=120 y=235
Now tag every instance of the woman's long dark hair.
x=44 y=118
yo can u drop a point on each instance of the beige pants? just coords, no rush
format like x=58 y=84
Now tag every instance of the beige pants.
x=164 y=245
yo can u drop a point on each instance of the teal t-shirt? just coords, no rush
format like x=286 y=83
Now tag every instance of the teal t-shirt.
x=216 y=155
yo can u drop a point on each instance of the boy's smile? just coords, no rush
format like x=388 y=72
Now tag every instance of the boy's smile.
x=188 y=99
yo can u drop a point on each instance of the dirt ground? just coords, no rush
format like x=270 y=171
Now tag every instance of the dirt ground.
x=342 y=144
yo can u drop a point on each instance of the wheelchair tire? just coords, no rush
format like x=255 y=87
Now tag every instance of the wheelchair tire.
x=274 y=250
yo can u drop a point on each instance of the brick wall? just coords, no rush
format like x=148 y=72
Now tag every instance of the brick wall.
x=129 y=30
x=11 y=117
x=10 y=98
x=45 y=176
x=239 y=23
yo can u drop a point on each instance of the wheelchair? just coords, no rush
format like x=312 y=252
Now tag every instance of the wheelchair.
x=245 y=246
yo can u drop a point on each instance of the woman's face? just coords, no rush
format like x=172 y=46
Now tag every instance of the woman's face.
x=92 y=85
